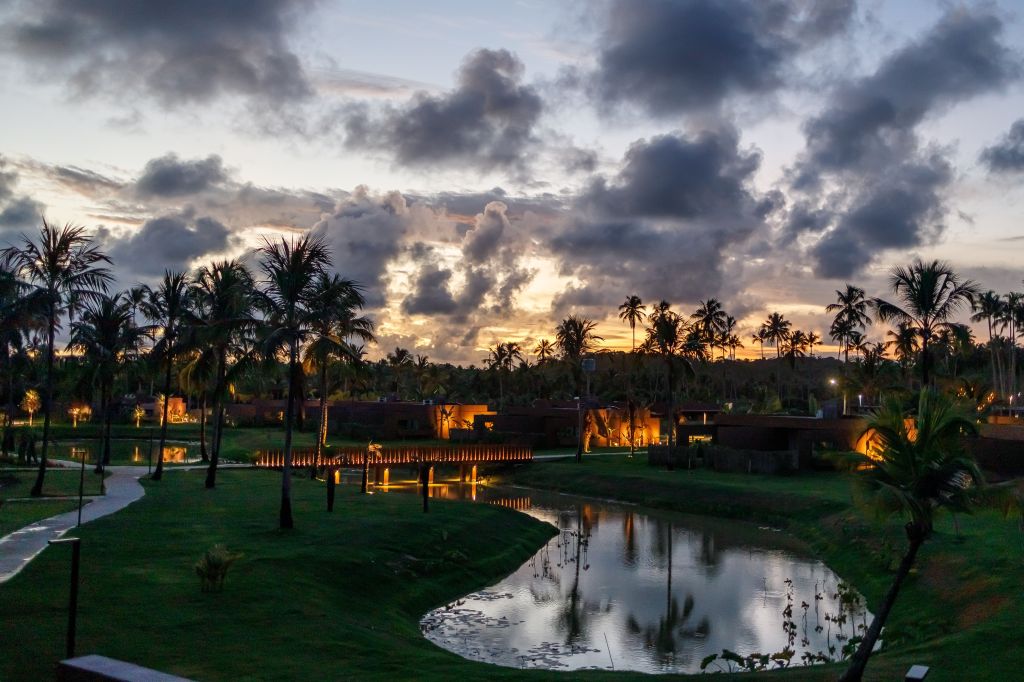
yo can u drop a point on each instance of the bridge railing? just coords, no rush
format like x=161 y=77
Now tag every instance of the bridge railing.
x=353 y=456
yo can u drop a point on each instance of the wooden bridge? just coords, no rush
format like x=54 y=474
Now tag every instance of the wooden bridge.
x=466 y=457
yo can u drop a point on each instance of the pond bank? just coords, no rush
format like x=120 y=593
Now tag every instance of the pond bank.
x=958 y=611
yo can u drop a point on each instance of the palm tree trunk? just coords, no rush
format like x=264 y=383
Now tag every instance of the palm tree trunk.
x=286 y=520
x=9 y=367
x=924 y=360
x=203 y=455
x=859 y=660
x=218 y=418
x=37 y=488
x=108 y=418
x=159 y=473
x=322 y=431
x=992 y=353
x=671 y=413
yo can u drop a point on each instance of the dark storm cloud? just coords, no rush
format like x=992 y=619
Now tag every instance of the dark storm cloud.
x=21 y=214
x=865 y=182
x=871 y=121
x=183 y=51
x=672 y=56
x=676 y=176
x=431 y=293
x=487 y=121
x=170 y=241
x=169 y=176
x=902 y=208
x=665 y=225
x=1006 y=155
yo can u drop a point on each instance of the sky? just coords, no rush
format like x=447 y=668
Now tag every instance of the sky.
x=485 y=169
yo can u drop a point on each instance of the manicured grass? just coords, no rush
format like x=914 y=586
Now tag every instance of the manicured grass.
x=15 y=515
x=57 y=482
x=959 y=612
x=339 y=597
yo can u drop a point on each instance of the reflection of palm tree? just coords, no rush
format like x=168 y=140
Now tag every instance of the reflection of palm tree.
x=573 y=616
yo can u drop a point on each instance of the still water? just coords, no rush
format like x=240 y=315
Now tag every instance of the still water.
x=620 y=588
x=124 y=452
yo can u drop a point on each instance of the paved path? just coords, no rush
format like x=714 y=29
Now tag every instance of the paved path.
x=21 y=546
x=123 y=488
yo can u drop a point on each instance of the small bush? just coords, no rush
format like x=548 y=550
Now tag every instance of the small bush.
x=213 y=567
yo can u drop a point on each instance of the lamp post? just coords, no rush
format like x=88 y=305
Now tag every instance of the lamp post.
x=76 y=553
x=579 y=428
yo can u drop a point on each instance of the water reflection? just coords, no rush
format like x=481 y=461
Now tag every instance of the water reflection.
x=635 y=591
x=133 y=452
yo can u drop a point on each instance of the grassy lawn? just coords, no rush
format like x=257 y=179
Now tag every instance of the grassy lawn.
x=15 y=515
x=338 y=597
x=960 y=610
x=57 y=483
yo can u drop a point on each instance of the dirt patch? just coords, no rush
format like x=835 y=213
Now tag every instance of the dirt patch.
x=980 y=610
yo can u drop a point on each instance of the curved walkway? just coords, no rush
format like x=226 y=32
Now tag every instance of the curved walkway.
x=21 y=546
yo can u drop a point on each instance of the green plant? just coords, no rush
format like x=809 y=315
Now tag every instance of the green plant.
x=213 y=567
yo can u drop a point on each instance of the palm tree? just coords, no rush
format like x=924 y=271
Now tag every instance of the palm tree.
x=918 y=466
x=544 y=350
x=165 y=306
x=851 y=309
x=758 y=338
x=62 y=267
x=989 y=307
x=631 y=312
x=903 y=344
x=18 y=313
x=776 y=330
x=220 y=316
x=710 y=320
x=812 y=340
x=1011 y=317
x=501 y=359
x=667 y=336
x=333 y=306
x=291 y=270
x=106 y=335
x=929 y=295
x=575 y=338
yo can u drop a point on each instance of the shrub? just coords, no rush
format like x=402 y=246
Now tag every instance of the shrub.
x=213 y=567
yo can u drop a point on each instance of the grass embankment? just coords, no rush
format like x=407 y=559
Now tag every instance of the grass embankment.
x=960 y=612
x=17 y=483
x=338 y=597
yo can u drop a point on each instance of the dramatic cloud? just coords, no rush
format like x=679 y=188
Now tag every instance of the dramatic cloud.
x=482 y=241
x=18 y=214
x=900 y=209
x=179 y=52
x=366 y=233
x=431 y=294
x=665 y=226
x=872 y=121
x=169 y=176
x=674 y=176
x=487 y=121
x=673 y=56
x=1007 y=155
x=171 y=241
x=865 y=182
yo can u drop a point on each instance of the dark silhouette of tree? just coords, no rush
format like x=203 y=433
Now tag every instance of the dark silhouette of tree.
x=291 y=270
x=165 y=306
x=64 y=266
x=851 y=309
x=928 y=295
